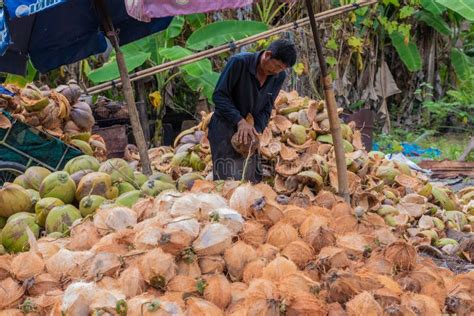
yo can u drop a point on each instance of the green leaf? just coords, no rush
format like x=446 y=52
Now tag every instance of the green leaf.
x=394 y=2
x=406 y=11
x=21 y=81
x=409 y=54
x=463 y=7
x=175 y=27
x=177 y=52
x=331 y=61
x=204 y=84
x=222 y=32
x=462 y=64
x=196 y=20
x=109 y=71
x=435 y=21
x=433 y=7
x=331 y=44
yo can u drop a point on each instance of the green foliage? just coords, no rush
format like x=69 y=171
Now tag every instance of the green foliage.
x=433 y=7
x=109 y=71
x=435 y=21
x=463 y=64
x=408 y=52
x=266 y=11
x=464 y=8
x=21 y=81
x=221 y=32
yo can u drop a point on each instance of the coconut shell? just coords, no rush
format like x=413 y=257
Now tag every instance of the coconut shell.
x=364 y=304
x=299 y=252
x=44 y=283
x=306 y=304
x=11 y=292
x=200 y=307
x=401 y=255
x=5 y=263
x=262 y=298
x=278 y=268
x=218 y=290
x=236 y=258
x=211 y=264
x=182 y=283
x=267 y=251
x=281 y=235
x=27 y=265
x=254 y=270
x=253 y=233
x=213 y=240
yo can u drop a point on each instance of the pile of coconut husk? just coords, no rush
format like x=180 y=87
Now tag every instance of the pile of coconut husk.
x=57 y=112
x=229 y=248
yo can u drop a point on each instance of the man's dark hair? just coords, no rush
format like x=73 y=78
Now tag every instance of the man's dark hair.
x=283 y=50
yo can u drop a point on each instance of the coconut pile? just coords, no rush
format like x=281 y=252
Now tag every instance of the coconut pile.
x=103 y=239
x=57 y=112
x=228 y=248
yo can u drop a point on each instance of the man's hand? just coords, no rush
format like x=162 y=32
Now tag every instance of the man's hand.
x=246 y=132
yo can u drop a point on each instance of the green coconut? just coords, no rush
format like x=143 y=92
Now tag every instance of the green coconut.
x=82 y=146
x=124 y=187
x=55 y=235
x=43 y=207
x=387 y=173
x=60 y=218
x=196 y=162
x=181 y=159
x=298 y=134
x=346 y=132
x=387 y=210
x=426 y=190
x=81 y=163
x=77 y=176
x=118 y=169
x=20 y=215
x=84 y=136
x=154 y=187
x=443 y=199
x=59 y=185
x=90 y=204
x=35 y=197
x=327 y=139
x=34 y=176
x=96 y=183
x=21 y=181
x=14 y=237
x=140 y=178
x=186 y=181
x=311 y=176
x=3 y=221
x=128 y=199
x=13 y=199
x=403 y=167
x=160 y=176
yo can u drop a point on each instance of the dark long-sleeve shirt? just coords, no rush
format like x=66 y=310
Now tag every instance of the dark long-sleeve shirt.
x=238 y=91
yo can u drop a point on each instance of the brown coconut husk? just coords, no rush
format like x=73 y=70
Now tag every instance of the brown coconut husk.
x=281 y=234
x=11 y=293
x=119 y=242
x=299 y=252
x=421 y=304
x=213 y=240
x=44 y=283
x=132 y=282
x=254 y=269
x=278 y=268
x=26 y=265
x=182 y=283
x=270 y=214
x=238 y=292
x=267 y=251
x=236 y=258
x=305 y=304
x=243 y=199
x=364 y=304
x=83 y=236
x=401 y=254
x=295 y=216
x=211 y=264
x=47 y=303
x=218 y=290
x=104 y=264
x=332 y=257
x=68 y=263
x=296 y=283
x=200 y=307
x=157 y=268
x=187 y=268
x=253 y=233
x=5 y=264
x=262 y=298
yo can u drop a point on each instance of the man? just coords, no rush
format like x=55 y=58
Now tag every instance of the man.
x=249 y=84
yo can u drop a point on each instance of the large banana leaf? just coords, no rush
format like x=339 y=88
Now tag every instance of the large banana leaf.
x=109 y=71
x=433 y=7
x=463 y=65
x=408 y=53
x=435 y=21
x=222 y=32
x=205 y=84
x=177 y=52
x=20 y=80
x=463 y=7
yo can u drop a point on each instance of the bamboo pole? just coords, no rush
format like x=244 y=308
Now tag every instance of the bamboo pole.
x=331 y=106
x=227 y=48
x=126 y=87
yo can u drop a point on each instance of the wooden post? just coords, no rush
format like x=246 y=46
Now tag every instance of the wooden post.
x=334 y=123
x=126 y=87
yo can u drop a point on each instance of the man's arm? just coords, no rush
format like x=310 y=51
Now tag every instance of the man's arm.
x=261 y=121
x=222 y=96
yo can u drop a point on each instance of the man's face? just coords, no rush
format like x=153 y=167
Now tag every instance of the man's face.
x=271 y=66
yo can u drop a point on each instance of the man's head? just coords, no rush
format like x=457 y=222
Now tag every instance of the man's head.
x=280 y=55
